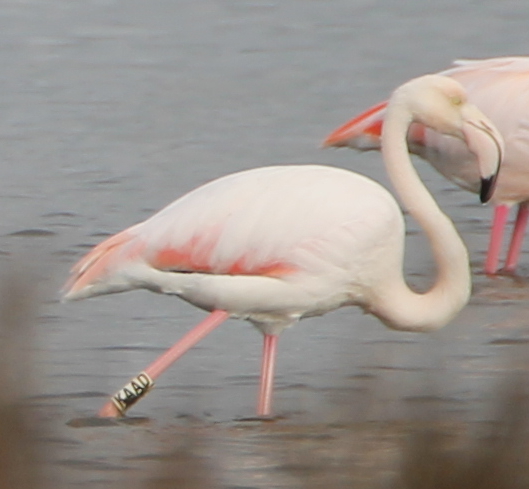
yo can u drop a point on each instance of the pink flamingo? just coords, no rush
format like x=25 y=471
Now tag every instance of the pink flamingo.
x=499 y=87
x=276 y=244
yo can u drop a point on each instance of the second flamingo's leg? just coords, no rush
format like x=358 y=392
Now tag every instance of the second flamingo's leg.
x=264 y=406
x=517 y=238
x=501 y=212
x=140 y=384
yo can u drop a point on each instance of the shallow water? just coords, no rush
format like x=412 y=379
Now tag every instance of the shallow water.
x=111 y=109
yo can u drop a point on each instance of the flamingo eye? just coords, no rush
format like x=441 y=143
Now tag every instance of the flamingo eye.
x=456 y=100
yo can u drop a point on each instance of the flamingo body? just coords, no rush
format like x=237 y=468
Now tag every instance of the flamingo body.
x=314 y=239
x=500 y=88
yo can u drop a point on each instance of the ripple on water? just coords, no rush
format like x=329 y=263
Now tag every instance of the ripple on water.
x=33 y=233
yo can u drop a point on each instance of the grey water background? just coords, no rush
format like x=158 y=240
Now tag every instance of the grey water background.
x=111 y=109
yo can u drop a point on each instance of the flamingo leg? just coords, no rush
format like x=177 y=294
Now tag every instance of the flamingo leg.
x=517 y=238
x=501 y=212
x=142 y=383
x=264 y=406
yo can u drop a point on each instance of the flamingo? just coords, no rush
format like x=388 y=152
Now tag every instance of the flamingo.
x=500 y=88
x=276 y=244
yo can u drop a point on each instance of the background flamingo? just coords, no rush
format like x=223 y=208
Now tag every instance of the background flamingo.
x=500 y=88
x=276 y=244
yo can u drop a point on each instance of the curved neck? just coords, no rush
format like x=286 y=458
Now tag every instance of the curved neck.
x=397 y=305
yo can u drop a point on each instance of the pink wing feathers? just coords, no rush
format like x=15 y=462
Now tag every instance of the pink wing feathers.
x=193 y=234
x=222 y=228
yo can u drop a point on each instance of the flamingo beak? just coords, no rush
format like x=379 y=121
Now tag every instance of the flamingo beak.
x=486 y=143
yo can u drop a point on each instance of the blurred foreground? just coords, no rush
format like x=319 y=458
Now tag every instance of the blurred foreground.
x=431 y=450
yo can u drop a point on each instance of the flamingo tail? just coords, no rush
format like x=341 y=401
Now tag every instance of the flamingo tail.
x=88 y=274
x=362 y=133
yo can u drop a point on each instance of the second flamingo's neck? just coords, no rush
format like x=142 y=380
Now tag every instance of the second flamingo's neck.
x=398 y=306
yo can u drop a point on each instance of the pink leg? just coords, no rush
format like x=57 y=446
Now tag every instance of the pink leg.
x=499 y=220
x=139 y=385
x=264 y=407
x=517 y=238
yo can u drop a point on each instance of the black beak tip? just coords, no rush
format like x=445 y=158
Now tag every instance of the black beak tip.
x=487 y=188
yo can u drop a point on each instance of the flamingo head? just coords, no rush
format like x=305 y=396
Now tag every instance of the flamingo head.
x=440 y=103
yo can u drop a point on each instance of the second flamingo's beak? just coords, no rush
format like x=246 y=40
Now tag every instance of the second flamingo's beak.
x=486 y=143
